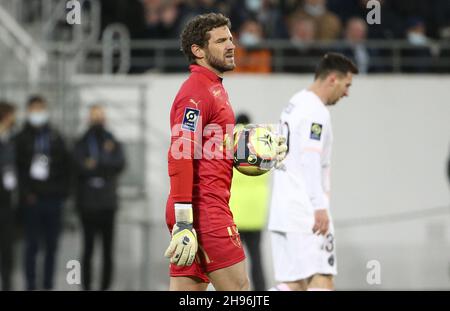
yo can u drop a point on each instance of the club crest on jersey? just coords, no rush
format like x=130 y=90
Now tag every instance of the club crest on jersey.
x=316 y=131
x=235 y=238
x=190 y=119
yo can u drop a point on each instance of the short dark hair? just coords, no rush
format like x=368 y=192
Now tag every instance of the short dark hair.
x=6 y=109
x=334 y=62
x=96 y=106
x=196 y=32
x=36 y=99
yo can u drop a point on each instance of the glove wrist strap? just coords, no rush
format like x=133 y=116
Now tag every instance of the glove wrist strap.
x=183 y=213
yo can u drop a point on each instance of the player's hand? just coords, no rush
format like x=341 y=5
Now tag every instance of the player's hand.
x=321 y=222
x=281 y=149
x=183 y=246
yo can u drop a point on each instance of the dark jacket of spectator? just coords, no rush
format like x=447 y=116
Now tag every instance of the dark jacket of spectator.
x=99 y=159
x=7 y=166
x=57 y=183
x=8 y=183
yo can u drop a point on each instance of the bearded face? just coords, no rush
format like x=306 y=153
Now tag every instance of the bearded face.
x=219 y=54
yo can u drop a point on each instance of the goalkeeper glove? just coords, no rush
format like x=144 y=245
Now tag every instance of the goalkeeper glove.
x=281 y=150
x=183 y=246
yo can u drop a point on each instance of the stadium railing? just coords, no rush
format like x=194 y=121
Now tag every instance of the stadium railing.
x=385 y=56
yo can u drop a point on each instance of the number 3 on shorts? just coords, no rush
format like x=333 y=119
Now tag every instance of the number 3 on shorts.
x=328 y=243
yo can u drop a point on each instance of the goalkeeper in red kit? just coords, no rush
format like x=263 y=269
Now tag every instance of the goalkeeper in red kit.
x=205 y=245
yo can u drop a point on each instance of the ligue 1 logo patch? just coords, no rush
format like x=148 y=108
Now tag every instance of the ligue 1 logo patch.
x=316 y=131
x=190 y=119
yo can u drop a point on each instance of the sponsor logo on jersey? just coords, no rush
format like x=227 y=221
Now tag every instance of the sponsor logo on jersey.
x=194 y=102
x=316 y=131
x=190 y=119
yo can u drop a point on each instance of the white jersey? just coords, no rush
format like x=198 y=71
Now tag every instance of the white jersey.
x=302 y=185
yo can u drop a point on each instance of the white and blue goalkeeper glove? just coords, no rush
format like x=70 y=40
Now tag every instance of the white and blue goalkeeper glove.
x=281 y=149
x=183 y=246
x=280 y=145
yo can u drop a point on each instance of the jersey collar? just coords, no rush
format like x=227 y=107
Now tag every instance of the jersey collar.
x=205 y=71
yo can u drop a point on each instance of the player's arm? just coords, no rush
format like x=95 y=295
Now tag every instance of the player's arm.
x=185 y=123
x=311 y=152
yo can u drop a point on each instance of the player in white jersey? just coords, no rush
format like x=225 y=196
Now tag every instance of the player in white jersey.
x=300 y=222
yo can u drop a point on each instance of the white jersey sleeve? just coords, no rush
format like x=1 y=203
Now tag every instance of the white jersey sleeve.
x=314 y=163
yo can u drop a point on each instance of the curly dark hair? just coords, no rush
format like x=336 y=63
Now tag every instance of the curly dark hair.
x=196 y=32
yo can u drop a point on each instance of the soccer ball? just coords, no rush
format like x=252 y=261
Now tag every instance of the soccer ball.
x=254 y=149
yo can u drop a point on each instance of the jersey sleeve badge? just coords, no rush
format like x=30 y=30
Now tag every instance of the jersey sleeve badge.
x=190 y=119
x=316 y=131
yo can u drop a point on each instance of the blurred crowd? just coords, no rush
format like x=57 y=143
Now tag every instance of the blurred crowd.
x=156 y=19
x=39 y=171
x=301 y=23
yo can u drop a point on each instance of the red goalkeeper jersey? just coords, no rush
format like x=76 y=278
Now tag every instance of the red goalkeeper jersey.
x=200 y=158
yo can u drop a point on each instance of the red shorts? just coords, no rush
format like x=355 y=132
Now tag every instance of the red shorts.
x=216 y=250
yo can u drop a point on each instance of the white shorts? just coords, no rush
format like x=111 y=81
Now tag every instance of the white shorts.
x=298 y=256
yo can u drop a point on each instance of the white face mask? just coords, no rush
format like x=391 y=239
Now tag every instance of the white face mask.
x=249 y=39
x=38 y=119
x=417 y=38
x=315 y=10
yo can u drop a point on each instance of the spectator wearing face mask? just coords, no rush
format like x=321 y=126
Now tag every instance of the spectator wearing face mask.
x=8 y=184
x=99 y=160
x=328 y=24
x=43 y=175
x=250 y=56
